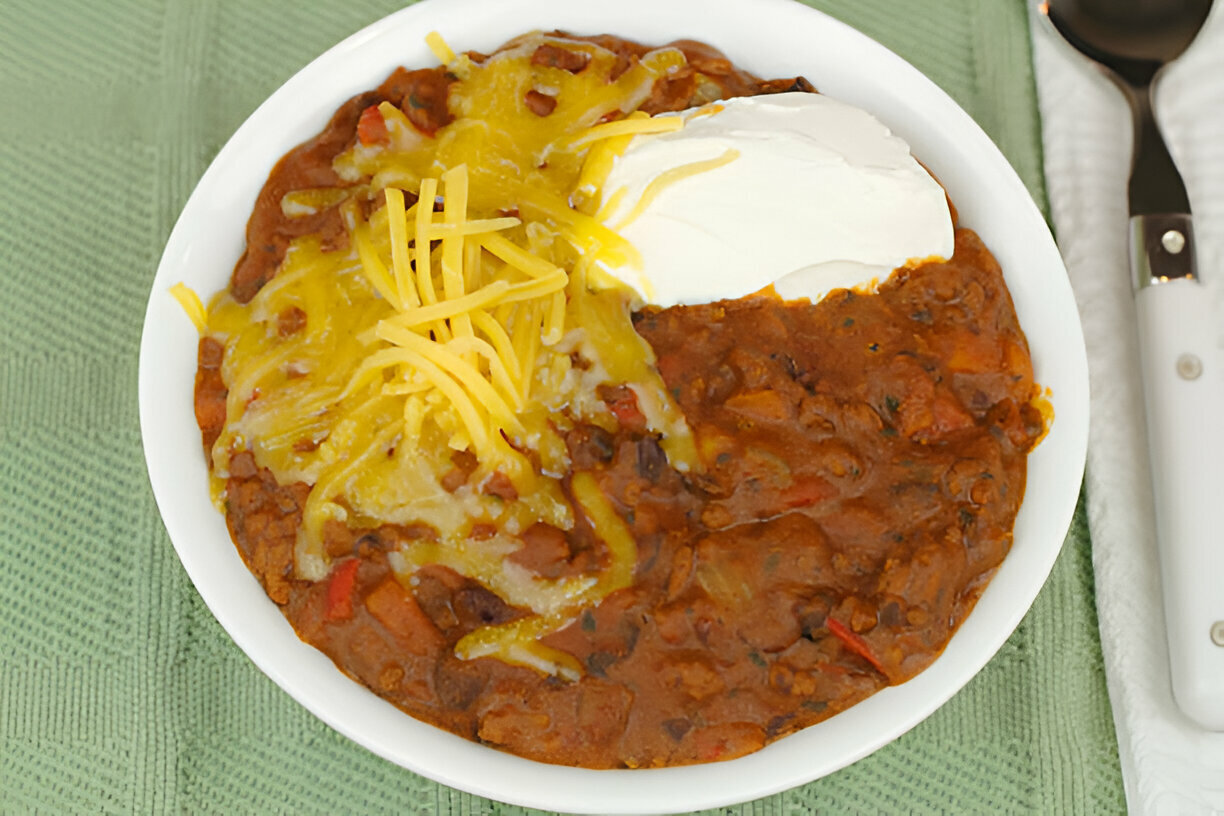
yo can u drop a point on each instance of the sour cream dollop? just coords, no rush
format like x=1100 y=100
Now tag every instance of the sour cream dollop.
x=798 y=190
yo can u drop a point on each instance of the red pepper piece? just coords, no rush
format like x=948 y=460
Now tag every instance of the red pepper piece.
x=852 y=641
x=371 y=127
x=623 y=404
x=806 y=492
x=340 y=590
x=396 y=609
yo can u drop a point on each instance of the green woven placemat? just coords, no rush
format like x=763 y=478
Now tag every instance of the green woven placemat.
x=118 y=690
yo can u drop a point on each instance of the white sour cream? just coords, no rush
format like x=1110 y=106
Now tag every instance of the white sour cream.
x=812 y=195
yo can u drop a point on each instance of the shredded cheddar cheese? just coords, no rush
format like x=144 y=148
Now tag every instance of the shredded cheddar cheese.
x=632 y=125
x=451 y=322
x=191 y=304
x=439 y=48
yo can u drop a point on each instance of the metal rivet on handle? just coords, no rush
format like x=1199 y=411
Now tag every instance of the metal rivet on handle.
x=1173 y=242
x=1189 y=367
x=1217 y=633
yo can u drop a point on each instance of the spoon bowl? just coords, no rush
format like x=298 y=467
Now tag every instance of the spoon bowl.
x=1131 y=40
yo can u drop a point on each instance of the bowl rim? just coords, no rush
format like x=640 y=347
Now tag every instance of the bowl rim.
x=763 y=36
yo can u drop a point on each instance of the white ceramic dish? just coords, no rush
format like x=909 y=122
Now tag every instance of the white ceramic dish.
x=771 y=38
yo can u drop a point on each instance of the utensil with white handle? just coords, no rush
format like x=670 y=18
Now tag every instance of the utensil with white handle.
x=1182 y=363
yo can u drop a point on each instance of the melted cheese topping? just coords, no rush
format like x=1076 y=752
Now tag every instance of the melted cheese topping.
x=436 y=332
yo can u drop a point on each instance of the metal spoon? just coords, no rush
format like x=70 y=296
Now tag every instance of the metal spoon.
x=1183 y=368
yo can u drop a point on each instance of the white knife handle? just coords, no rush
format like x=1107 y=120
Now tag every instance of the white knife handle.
x=1183 y=384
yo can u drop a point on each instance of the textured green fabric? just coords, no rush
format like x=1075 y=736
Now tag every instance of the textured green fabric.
x=118 y=690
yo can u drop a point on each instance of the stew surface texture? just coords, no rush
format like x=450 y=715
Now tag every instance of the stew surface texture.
x=862 y=464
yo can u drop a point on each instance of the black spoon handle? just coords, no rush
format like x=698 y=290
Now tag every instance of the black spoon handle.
x=1155 y=185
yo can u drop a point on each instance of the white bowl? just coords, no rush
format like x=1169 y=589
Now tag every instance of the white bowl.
x=772 y=38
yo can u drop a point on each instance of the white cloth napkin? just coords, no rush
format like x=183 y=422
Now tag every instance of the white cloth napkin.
x=1169 y=766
